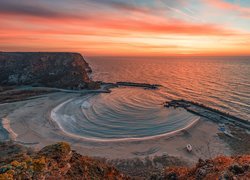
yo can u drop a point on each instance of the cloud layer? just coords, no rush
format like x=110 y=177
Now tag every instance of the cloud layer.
x=113 y=27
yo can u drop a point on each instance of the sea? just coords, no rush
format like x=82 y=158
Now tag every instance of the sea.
x=218 y=82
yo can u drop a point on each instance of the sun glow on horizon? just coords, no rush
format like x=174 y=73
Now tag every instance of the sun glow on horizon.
x=133 y=28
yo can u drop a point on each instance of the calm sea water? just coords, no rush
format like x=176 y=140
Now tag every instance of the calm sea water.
x=219 y=82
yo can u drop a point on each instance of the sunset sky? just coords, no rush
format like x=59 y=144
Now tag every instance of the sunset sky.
x=131 y=27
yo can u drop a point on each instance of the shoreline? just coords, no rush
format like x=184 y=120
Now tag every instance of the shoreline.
x=208 y=112
x=54 y=118
x=6 y=125
x=30 y=120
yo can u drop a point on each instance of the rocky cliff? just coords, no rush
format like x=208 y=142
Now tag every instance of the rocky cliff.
x=62 y=70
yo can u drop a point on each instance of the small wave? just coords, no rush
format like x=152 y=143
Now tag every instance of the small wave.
x=190 y=78
x=107 y=118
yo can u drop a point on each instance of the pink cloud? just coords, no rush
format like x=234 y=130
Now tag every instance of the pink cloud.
x=110 y=25
x=243 y=11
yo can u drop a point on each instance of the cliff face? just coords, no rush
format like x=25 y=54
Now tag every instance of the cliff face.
x=62 y=70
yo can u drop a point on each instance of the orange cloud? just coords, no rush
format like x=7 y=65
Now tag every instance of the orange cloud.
x=117 y=25
x=139 y=32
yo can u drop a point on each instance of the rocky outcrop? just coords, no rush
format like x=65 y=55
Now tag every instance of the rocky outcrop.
x=55 y=161
x=222 y=167
x=61 y=70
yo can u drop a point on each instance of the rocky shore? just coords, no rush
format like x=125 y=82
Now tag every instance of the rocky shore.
x=144 y=85
x=208 y=112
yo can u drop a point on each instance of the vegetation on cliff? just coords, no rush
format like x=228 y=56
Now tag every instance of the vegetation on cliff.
x=222 y=167
x=55 y=161
x=58 y=161
x=61 y=70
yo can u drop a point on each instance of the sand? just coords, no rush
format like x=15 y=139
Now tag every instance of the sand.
x=29 y=122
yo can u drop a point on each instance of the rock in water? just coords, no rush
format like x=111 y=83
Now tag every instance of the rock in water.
x=61 y=70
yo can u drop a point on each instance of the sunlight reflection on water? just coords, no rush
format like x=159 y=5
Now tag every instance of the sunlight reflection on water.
x=219 y=82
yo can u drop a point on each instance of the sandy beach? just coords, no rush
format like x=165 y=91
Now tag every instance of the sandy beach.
x=29 y=123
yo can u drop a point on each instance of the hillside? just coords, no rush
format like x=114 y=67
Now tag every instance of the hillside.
x=61 y=70
x=56 y=161
x=222 y=167
x=59 y=161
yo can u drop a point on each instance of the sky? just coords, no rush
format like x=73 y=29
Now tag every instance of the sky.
x=126 y=28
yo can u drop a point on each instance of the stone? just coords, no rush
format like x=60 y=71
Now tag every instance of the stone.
x=236 y=169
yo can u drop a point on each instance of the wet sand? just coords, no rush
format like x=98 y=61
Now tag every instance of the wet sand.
x=119 y=116
x=29 y=123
